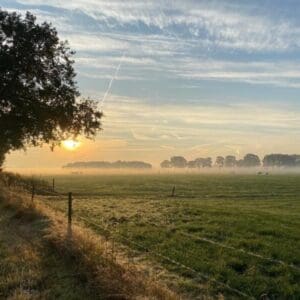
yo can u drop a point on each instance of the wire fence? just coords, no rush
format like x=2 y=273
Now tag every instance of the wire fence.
x=166 y=258
x=62 y=197
x=116 y=237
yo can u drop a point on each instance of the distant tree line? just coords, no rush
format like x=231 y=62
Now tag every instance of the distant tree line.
x=230 y=161
x=281 y=160
x=109 y=165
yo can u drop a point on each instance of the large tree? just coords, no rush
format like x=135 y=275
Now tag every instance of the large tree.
x=39 y=98
x=165 y=164
x=251 y=160
x=178 y=162
x=281 y=160
x=230 y=161
x=220 y=161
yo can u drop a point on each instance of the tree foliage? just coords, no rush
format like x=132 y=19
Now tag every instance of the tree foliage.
x=230 y=161
x=201 y=162
x=166 y=164
x=220 y=161
x=251 y=160
x=109 y=165
x=178 y=162
x=281 y=160
x=38 y=93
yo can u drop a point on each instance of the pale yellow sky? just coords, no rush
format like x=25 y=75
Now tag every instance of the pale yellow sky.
x=134 y=130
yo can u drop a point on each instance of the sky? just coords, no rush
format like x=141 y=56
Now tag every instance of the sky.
x=193 y=78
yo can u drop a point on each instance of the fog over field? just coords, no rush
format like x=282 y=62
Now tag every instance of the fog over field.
x=154 y=171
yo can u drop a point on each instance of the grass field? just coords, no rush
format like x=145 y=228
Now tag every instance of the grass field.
x=232 y=234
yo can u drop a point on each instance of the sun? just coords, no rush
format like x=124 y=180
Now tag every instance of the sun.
x=70 y=144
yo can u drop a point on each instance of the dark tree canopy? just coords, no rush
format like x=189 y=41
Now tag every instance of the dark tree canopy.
x=200 y=163
x=38 y=93
x=230 y=161
x=192 y=164
x=251 y=160
x=109 y=165
x=203 y=162
x=281 y=160
x=220 y=161
x=178 y=162
x=181 y=162
x=166 y=164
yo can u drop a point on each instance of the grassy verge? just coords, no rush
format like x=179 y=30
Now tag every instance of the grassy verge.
x=39 y=260
x=29 y=268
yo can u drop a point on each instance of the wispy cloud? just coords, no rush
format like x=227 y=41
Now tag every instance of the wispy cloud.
x=197 y=77
x=182 y=38
x=279 y=73
x=217 y=22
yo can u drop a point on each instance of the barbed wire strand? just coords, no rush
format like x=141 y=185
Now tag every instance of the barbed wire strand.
x=219 y=244
x=147 y=250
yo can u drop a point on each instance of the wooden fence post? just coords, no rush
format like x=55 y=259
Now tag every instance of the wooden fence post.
x=113 y=249
x=70 y=199
x=53 y=184
x=173 y=191
x=106 y=251
x=32 y=192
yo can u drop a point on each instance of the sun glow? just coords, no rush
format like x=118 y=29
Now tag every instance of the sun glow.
x=70 y=144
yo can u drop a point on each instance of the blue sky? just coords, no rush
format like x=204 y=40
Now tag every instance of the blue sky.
x=196 y=78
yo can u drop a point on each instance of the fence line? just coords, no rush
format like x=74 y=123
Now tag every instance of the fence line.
x=250 y=253
x=63 y=197
x=212 y=242
x=164 y=257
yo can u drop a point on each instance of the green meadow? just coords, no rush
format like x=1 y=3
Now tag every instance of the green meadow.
x=235 y=235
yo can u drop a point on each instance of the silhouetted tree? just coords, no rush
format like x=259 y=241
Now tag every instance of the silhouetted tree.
x=166 y=164
x=251 y=160
x=109 y=165
x=203 y=162
x=297 y=160
x=230 y=161
x=281 y=160
x=191 y=164
x=240 y=163
x=207 y=163
x=220 y=161
x=200 y=163
x=178 y=162
x=38 y=93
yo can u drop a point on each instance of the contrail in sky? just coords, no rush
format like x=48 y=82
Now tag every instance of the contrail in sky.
x=112 y=81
